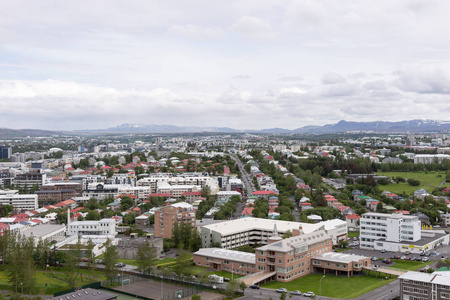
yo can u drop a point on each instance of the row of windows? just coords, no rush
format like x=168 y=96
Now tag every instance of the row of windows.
x=415 y=290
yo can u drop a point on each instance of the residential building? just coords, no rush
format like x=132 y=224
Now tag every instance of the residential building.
x=19 y=201
x=424 y=286
x=430 y=158
x=167 y=216
x=235 y=262
x=28 y=180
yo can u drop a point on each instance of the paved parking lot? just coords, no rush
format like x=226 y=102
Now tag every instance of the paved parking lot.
x=442 y=251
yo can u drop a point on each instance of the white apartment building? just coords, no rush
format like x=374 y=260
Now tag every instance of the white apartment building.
x=250 y=231
x=397 y=232
x=154 y=180
x=430 y=158
x=176 y=190
x=21 y=202
x=102 y=227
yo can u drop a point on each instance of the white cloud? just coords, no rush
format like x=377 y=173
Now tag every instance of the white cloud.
x=195 y=32
x=253 y=27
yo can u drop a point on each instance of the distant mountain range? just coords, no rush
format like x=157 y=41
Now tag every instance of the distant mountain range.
x=341 y=126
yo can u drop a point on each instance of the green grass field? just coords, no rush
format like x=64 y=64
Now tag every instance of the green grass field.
x=53 y=281
x=352 y=234
x=428 y=181
x=408 y=265
x=332 y=286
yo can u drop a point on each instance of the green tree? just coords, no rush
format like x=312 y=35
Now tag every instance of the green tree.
x=71 y=265
x=146 y=257
x=231 y=288
x=93 y=215
x=110 y=257
x=242 y=286
x=183 y=263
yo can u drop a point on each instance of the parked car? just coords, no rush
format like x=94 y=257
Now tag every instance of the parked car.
x=408 y=258
x=309 y=294
x=99 y=261
x=403 y=257
x=85 y=259
x=296 y=293
x=383 y=250
x=397 y=257
x=425 y=259
x=254 y=287
x=374 y=258
x=280 y=290
x=407 y=252
x=422 y=253
x=120 y=265
x=387 y=261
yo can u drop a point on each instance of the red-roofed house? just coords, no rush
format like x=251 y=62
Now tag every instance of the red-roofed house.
x=66 y=203
x=306 y=187
x=446 y=190
x=331 y=202
x=248 y=211
x=352 y=220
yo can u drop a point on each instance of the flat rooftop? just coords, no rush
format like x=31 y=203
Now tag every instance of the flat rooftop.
x=42 y=230
x=239 y=256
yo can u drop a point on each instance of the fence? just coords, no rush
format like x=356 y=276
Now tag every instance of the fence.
x=131 y=278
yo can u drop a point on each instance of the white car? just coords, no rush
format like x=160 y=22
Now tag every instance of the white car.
x=309 y=294
x=280 y=290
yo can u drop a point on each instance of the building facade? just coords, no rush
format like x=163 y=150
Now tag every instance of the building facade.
x=423 y=286
x=167 y=216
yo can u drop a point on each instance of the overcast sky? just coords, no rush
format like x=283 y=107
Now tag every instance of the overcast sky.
x=245 y=64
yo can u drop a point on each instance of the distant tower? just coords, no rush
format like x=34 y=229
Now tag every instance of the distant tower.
x=410 y=139
x=275 y=237
x=275 y=231
x=68 y=218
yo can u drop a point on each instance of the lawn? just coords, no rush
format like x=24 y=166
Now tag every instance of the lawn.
x=332 y=286
x=197 y=270
x=352 y=234
x=408 y=265
x=53 y=281
x=428 y=181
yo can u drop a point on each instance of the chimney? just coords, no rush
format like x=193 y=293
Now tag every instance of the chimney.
x=295 y=232
x=68 y=217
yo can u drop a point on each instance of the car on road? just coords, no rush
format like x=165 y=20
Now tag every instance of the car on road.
x=309 y=294
x=120 y=265
x=281 y=290
x=254 y=287
x=407 y=253
x=296 y=293
x=383 y=250
x=374 y=258
x=425 y=259
x=99 y=261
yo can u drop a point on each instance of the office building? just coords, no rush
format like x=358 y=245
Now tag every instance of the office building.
x=397 y=232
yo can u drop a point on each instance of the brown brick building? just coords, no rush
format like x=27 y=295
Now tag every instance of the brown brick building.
x=167 y=216
x=56 y=192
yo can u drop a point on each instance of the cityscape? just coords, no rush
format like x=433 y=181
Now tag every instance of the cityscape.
x=200 y=150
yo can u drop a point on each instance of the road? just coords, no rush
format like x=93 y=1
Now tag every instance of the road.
x=246 y=179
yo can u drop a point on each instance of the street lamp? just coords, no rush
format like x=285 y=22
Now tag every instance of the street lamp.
x=21 y=284
x=235 y=272
x=320 y=287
